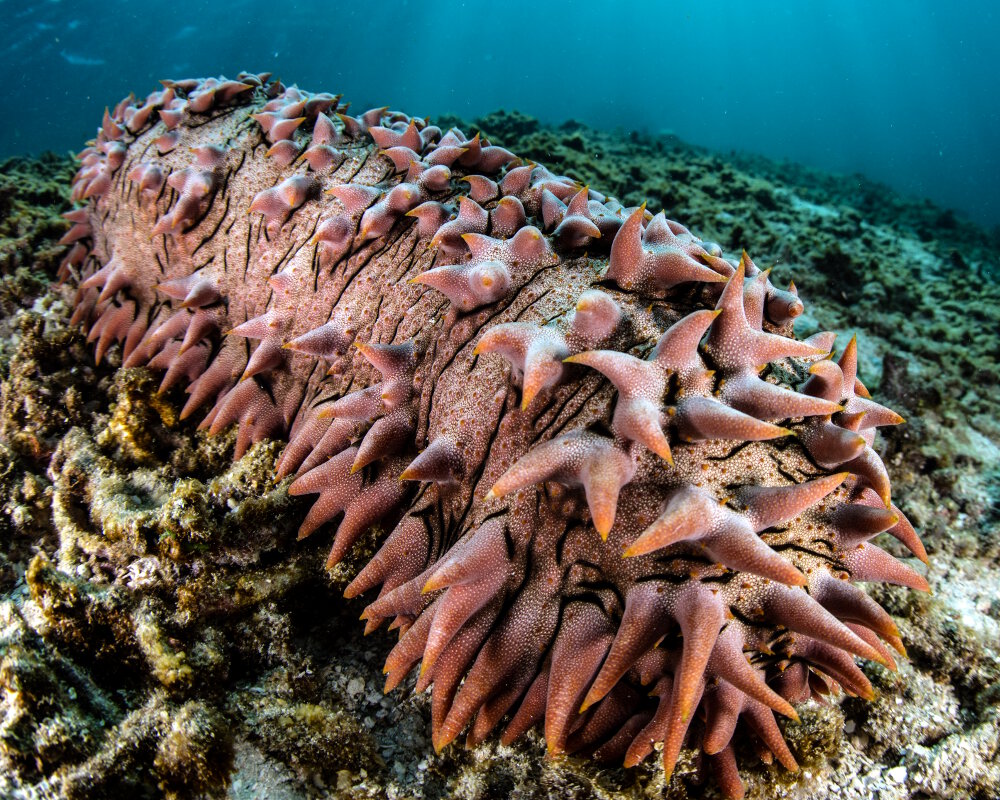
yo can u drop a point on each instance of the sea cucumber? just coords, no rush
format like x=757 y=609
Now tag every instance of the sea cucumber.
x=625 y=501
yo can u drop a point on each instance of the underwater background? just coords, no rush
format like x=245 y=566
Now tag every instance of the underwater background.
x=906 y=92
x=162 y=632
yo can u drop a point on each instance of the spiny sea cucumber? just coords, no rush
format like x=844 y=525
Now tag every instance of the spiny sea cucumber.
x=625 y=501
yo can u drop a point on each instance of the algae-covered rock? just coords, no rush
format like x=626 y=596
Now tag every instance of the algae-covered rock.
x=51 y=710
x=24 y=516
x=33 y=192
x=195 y=755
x=312 y=737
x=159 y=750
x=48 y=385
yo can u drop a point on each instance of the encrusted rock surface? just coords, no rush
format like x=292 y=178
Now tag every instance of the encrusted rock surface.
x=170 y=630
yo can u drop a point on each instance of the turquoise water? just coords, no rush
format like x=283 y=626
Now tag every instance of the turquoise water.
x=906 y=92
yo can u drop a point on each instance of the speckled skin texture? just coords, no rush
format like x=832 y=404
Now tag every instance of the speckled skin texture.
x=625 y=502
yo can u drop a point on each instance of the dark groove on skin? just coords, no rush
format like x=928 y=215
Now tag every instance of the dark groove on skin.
x=203 y=214
x=246 y=263
x=312 y=231
x=555 y=430
x=304 y=395
x=803 y=454
x=199 y=267
x=349 y=278
x=350 y=387
x=667 y=577
x=449 y=361
x=378 y=308
x=243 y=160
x=224 y=188
x=532 y=304
x=745 y=619
x=166 y=243
x=163 y=189
x=441 y=540
x=408 y=311
x=215 y=230
x=553 y=413
x=734 y=451
x=119 y=180
x=150 y=142
x=288 y=255
x=171 y=200
x=409 y=259
x=361 y=166
x=314 y=263
x=797 y=548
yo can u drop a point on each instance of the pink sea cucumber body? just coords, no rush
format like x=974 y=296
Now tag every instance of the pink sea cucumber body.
x=625 y=502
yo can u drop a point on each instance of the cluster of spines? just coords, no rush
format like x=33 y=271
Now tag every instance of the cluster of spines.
x=701 y=382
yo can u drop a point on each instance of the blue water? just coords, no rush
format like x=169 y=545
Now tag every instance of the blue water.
x=904 y=91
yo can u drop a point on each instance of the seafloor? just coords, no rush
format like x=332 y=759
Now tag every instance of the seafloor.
x=162 y=634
